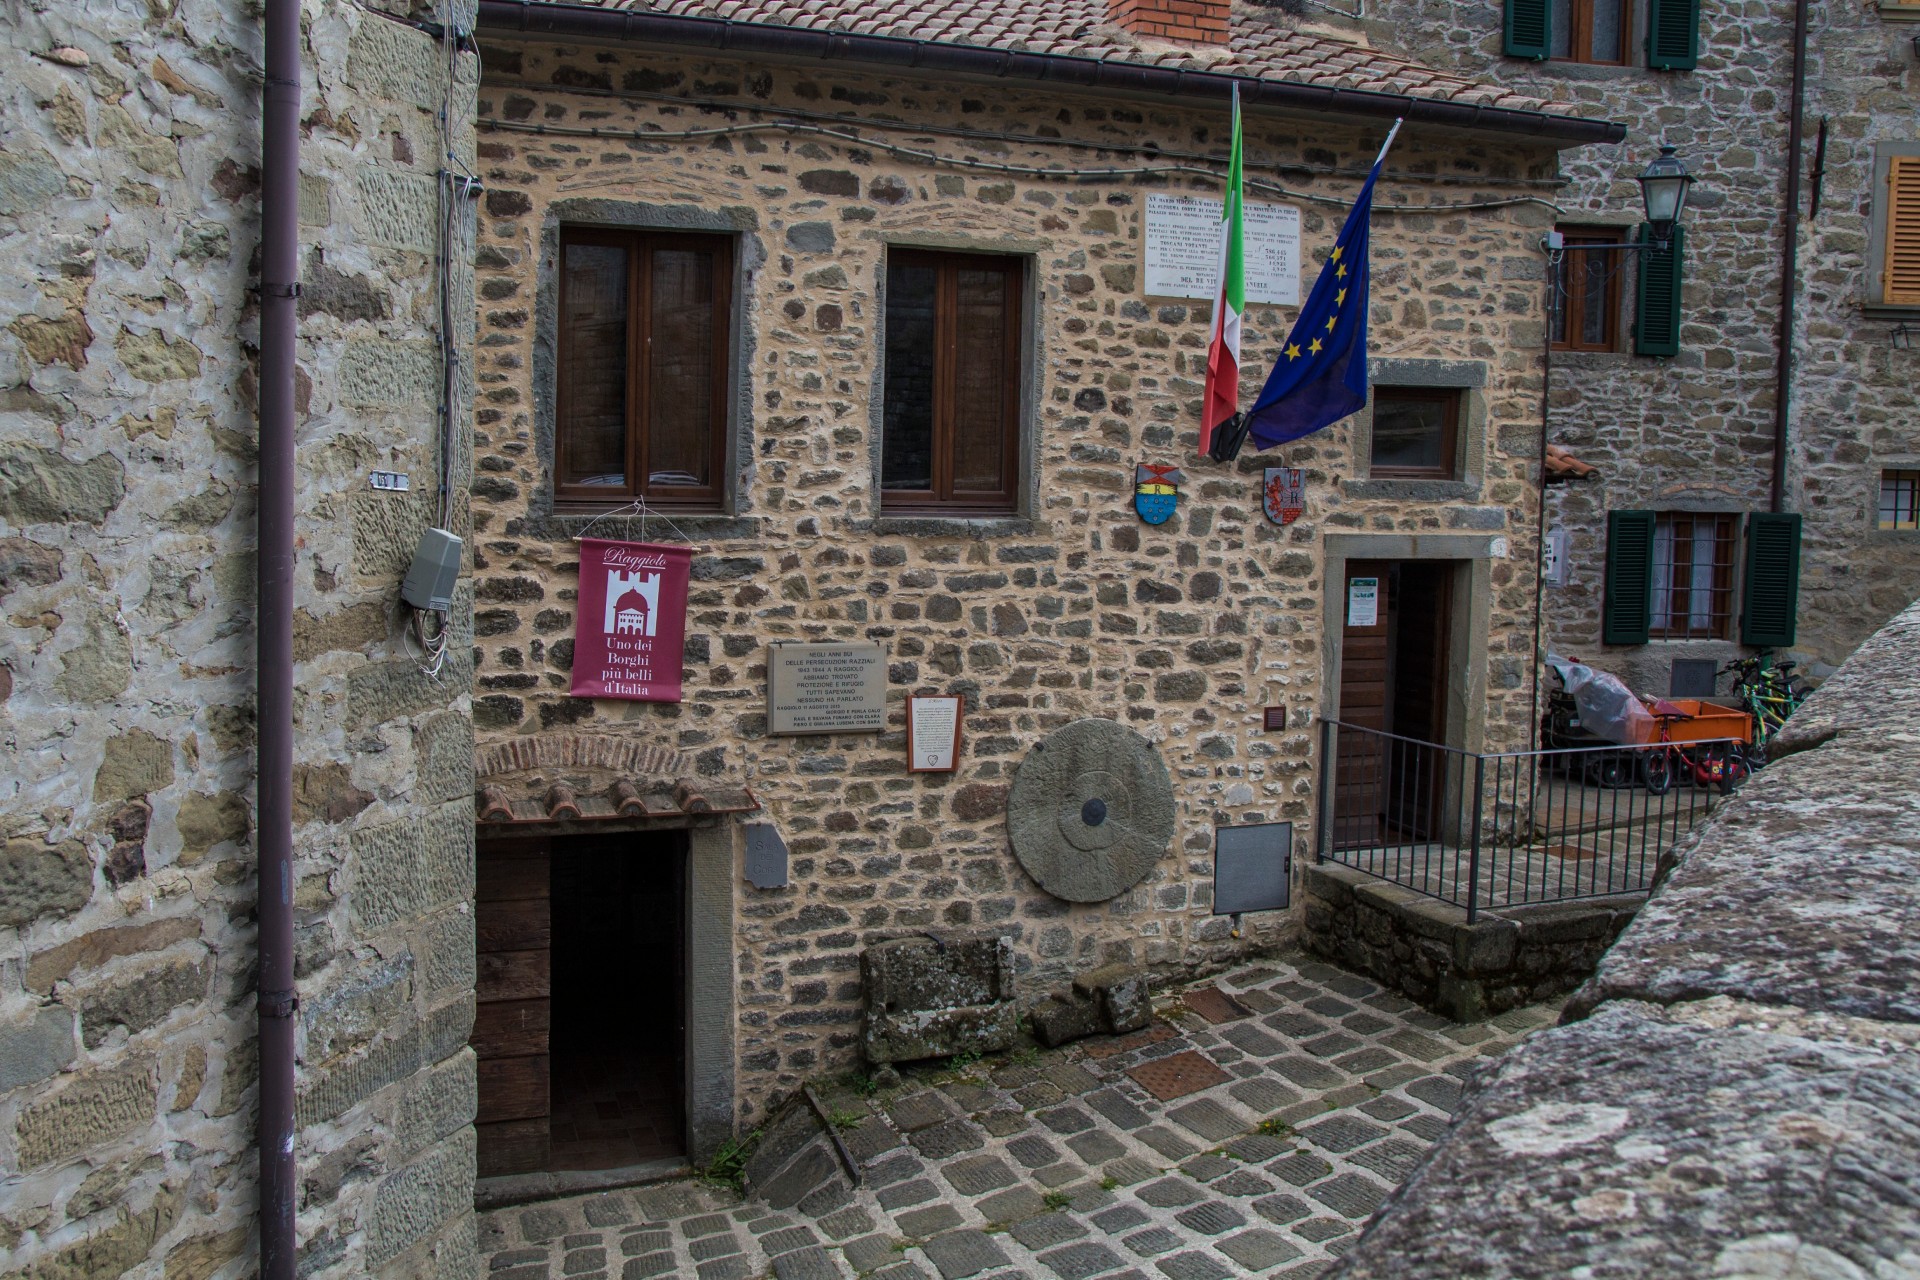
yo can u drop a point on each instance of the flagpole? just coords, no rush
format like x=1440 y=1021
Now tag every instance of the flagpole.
x=1389 y=142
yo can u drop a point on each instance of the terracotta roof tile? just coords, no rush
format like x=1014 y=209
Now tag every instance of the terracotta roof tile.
x=1257 y=48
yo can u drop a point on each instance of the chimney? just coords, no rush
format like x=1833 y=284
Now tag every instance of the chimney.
x=1185 y=21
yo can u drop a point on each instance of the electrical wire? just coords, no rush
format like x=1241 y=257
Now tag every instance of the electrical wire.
x=987 y=166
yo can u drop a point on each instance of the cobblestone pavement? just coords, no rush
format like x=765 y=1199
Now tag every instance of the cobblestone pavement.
x=1312 y=1097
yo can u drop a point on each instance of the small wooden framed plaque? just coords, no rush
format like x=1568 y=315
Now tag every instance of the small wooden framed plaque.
x=933 y=732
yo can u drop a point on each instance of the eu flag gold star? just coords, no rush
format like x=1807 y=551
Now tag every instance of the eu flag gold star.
x=1340 y=272
x=1336 y=253
x=1313 y=348
x=1340 y=297
x=1330 y=320
x=1293 y=351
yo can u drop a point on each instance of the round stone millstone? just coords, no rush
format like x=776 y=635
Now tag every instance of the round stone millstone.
x=1091 y=811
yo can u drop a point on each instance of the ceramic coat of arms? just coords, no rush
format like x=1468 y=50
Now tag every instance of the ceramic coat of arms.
x=1156 y=491
x=1283 y=496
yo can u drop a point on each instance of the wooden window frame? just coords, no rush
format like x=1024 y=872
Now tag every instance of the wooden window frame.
x=1580 y=36
x=1899 y=505
x=640 y=244
x=941 y=499
x=1721 y=605
x=1573 y=304
x=1453 y=399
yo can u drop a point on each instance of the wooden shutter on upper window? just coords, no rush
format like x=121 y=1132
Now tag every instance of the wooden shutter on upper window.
x=1529 y=29
x=1901 y=271
x=1656 y=323
x=1673 y=34
x=1628 y=614
x=1773 y=580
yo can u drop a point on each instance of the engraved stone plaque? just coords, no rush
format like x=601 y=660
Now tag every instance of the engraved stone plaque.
x=1091 y=811
x=826 y=688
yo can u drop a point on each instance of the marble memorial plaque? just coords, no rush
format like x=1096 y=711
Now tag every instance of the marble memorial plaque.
x=826 y=688
x=1091 y=811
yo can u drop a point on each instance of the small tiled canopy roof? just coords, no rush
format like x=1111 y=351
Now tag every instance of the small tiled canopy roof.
x=1261 y=46
x=569 y=777
x=1563 y=467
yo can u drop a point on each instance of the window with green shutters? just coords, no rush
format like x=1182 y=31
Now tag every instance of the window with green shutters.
x=1656 y=322
x=1628 y=612
x=1673 y=34
x=1773 y=580
x=1529 y=29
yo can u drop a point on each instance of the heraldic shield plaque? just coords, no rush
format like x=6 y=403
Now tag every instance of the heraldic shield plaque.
x=1091 y=811
x=1283 y=496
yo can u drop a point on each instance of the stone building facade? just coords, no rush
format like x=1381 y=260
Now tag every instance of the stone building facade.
x=1069 y=608
x=1693 y=433
x=129 y=222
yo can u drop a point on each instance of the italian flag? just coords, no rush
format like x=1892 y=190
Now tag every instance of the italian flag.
x=1222 y=399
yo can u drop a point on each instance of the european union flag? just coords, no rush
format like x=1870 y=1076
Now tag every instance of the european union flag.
x=1321 y=375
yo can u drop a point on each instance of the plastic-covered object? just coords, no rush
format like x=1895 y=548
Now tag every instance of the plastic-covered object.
x=1608 y=709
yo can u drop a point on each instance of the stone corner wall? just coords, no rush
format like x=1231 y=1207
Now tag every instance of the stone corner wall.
x=129 y=219
x=1733 y=1093
x=1426 y=950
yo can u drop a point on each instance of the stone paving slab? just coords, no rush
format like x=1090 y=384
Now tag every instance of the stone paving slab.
x=1060 y=1165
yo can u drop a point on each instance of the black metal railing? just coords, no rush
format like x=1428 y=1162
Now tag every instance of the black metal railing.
x=1507 y=828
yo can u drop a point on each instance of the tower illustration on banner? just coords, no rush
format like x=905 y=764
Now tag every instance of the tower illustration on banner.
x=633 y=603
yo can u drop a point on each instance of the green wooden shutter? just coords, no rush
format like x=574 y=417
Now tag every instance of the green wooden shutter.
x=1673 y=35
x=1628 y=614
x=1656 y=321
x=1773 y=580
x=1529 y=29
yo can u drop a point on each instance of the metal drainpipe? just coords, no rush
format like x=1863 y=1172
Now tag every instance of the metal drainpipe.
x=1789 y=257
x=279 y=287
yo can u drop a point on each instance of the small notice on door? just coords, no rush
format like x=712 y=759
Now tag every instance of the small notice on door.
x=1363 y=602
x=1183 y=249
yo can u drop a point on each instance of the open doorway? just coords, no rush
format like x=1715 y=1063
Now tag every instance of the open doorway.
x=580 y=1029
x=1395 y=664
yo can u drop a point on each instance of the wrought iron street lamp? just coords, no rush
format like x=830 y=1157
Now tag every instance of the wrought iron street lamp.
x=1663 y=189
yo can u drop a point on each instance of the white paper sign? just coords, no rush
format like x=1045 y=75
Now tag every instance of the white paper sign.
x=1183 y=249
x=936 y=733
x=1363 y=602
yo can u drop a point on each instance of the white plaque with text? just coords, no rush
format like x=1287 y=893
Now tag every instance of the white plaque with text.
x=826 y=688
x=1183 y=249
x=933 y=732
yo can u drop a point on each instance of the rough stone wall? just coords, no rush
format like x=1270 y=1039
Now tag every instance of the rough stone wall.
x=1184 y=631
x=129 y=220
x=1733 y=1093
x=1694 y=432
x=1424 y=948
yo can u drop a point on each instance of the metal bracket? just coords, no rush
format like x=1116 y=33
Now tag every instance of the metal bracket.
x=278 y=291
x=278 y=1004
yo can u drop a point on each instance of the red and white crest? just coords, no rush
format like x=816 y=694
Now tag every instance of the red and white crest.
x=1283 y=497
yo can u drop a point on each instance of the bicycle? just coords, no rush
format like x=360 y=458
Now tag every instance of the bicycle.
x=1771 y=694
x=1720 y=765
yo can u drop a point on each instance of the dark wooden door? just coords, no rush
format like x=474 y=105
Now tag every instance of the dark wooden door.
x=1359 y=794
x=513 y=918
x=1418 y=779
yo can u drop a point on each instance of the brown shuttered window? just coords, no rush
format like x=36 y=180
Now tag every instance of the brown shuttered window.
x=951 y=395
x=1692 y=576
x=1588 y=283
x=1900 y=273
x=641 y=409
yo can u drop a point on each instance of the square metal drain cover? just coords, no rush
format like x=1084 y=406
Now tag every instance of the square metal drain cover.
x=1213 y=1004
x=1109 y=1046
x=1178 y=1076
